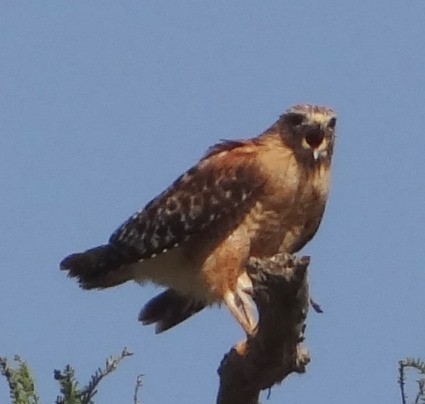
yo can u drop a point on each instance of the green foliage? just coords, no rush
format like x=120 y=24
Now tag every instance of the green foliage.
x=22 y=386
x=20 y=380
x=70 y=393
x=418 y=366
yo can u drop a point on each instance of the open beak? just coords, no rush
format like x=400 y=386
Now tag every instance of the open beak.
x=319 y=153
x=315 y=138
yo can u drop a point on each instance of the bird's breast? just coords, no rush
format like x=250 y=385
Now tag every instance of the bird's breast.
x=290 y=214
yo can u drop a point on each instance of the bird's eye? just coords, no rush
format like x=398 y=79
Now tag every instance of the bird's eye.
x=295 y=119
x=332 y=123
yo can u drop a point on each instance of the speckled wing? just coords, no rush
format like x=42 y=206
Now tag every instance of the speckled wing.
x=223 y=184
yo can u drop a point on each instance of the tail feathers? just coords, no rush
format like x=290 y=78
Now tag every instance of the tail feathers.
x=99 y=267
x=169 y=309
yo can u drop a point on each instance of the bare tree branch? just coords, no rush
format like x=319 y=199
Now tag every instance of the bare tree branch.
x=280 y=291
x=403 y=367
x=139 y=384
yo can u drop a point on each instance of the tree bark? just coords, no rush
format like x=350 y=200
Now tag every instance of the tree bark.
x=280 y=292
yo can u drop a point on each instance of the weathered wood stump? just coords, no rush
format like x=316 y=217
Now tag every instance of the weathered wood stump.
x=280 y=292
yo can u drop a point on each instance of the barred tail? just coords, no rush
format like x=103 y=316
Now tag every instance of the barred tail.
x=100 y=267
x=169 y=309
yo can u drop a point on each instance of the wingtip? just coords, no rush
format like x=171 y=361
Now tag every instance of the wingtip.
x=64 y=264
x=160 y=328
x=144 y=319
x=147 y=319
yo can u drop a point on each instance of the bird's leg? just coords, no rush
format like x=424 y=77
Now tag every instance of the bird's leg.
x=240 y=311
x=240 y=304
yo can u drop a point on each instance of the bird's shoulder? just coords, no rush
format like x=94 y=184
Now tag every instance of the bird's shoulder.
x=224 y=183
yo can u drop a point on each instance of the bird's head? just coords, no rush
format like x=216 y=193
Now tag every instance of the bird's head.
x=309 y=130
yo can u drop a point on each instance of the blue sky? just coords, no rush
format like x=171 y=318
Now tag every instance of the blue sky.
x=104 y=103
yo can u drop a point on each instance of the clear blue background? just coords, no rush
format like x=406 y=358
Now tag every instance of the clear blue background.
x=104 y=103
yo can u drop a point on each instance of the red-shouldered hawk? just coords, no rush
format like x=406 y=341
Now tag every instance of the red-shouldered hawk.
x=248 y=198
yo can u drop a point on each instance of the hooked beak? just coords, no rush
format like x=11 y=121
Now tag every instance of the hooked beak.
x=315 y=139
x=319 y=153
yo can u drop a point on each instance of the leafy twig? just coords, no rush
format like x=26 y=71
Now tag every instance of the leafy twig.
x=20 y=380
x=71 y=394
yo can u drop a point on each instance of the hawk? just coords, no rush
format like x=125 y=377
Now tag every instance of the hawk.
x=244 y=198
